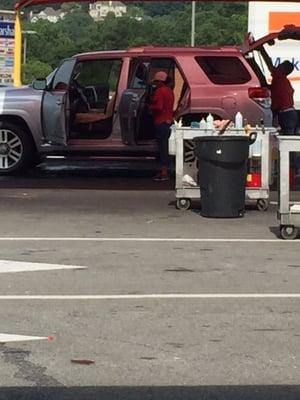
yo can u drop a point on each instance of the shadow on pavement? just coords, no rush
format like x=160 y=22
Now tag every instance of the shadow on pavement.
x=276 y=231
x=91 y=175
x=265 y=392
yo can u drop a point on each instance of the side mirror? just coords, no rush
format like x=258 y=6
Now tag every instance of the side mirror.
x=39 y=84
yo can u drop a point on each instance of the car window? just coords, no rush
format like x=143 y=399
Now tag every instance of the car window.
x=98 y=79
x=144 y=73
x=223 y=70
x=139 y=77
x=97 y=72
x=50 y=77
x=63 y=74
x=162 y=64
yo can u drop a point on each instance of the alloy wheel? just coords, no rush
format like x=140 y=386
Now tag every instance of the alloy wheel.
x=11 y=149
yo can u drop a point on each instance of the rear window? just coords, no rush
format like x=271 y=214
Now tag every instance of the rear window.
x=224 y=70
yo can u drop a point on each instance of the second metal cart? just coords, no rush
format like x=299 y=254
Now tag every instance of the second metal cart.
x=288 y=211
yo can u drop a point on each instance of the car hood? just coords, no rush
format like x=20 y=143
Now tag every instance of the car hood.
x=17 y=91
x=22 y=94
x=288 y=32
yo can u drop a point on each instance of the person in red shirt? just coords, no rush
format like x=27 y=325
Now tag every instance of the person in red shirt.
x=282 y=95
x=161 y=109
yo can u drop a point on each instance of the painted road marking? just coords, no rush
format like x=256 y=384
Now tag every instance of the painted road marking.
x=7 y=266
x=141 y=239
x=155 y=296
x=7 y=338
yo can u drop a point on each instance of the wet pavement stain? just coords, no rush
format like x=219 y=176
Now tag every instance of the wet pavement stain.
x=179 y=270
x=176 y=345
x=268 y=330
x=293 y=266
x=27 y=370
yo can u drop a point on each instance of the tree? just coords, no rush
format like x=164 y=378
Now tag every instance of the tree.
x=35 y=69
x=8 y=4
x=158 y=8
x=77 y=32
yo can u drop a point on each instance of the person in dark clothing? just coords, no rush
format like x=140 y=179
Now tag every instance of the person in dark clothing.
x=282 y=95
x=161 y=109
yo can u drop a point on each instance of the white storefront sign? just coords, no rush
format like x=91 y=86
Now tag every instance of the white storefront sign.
x=7 y=31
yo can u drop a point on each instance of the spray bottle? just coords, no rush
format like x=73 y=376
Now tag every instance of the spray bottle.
x=209 y=121
x=238 y=121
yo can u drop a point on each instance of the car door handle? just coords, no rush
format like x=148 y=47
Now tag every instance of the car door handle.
x=59 y=102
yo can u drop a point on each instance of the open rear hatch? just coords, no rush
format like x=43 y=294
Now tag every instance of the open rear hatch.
x=289 y=32
x=252 y=50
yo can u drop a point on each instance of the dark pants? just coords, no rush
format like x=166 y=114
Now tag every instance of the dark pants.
x=162 y=134
x=288 y=122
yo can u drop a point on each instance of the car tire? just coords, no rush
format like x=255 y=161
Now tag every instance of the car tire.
x=17 y=150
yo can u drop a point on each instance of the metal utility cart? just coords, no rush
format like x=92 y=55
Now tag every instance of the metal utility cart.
x=288 y=211
x=181 y=145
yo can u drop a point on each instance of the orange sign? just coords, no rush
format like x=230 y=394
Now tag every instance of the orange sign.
x=278 y=19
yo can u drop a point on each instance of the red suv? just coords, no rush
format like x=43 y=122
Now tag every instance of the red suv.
x=94 y=103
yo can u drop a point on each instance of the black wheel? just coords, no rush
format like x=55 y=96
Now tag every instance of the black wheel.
x=17 y=151
x=262 y=204
x=288 y=232
x=183 y=204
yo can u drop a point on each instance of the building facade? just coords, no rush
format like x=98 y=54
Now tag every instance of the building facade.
x=48 y=14
x=99 y=10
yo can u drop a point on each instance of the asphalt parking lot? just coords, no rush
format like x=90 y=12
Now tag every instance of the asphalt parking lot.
x=166 y=305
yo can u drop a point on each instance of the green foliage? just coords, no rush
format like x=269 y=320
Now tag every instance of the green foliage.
x=158 y=8
x=7 y=4
x=146 y=23
x=34 y=69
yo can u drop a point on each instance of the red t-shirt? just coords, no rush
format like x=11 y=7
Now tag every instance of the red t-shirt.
x=161 y=105
x=282 y=92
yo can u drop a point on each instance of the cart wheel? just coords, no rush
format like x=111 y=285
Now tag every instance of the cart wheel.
x=183 y=204
x=288 y=232
x=262 y=204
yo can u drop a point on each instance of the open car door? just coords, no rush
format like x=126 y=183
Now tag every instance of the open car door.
x=133 y=100
x=129 y=109
x=55 y=105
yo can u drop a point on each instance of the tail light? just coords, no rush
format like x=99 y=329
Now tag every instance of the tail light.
x=261 y=96
x=253 y=180
x=254 y=172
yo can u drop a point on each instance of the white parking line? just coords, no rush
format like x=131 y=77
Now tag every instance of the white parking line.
x=7 y=266
x=8 y=338
x=155 y=296
x=142 y=239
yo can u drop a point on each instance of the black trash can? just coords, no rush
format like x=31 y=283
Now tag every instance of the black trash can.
x=222 y=163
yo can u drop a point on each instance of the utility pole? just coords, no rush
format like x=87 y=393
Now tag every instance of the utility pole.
x=193 y=23
x=25 y=33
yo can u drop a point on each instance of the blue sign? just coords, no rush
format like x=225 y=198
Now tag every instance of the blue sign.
x=7 y=29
